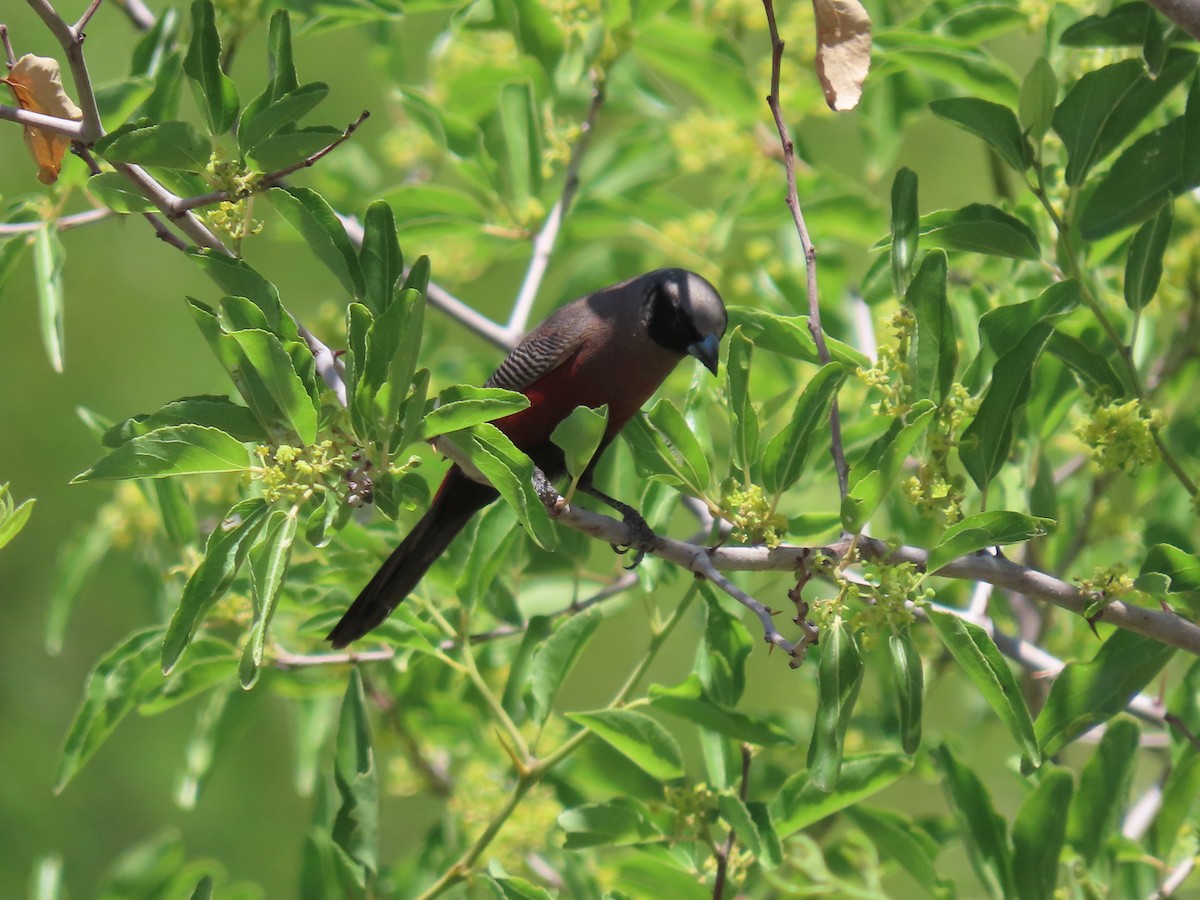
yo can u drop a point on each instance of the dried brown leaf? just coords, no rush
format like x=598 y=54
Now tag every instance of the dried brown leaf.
x=36 y=85
x=843 y=50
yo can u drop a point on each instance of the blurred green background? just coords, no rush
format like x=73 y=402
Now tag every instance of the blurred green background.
x=130 y=347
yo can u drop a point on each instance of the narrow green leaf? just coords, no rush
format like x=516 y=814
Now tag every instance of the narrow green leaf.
x=1179 y=570
x=873 y=476
x=770 y=848
x=288 y=148
x=49 y=257
x=1088 y=693
x=76 y=562
x=164 y=145
x=418 y=275
x=520 y=149
x=1097 y=370
x=980 y=228
x=788 y=451
x=356 y=825
x=257 y=125
x=108 y=695
x=840 y=677
x=935 y=349
x=383 y=369
x=620 y=822
x=307 y=212
x=997 y=125
x=799 y=803
x=169 y=451
x=1143 y=179
x=1144 y=264
x=963 y=63
x=579 y=436
x=1180 y=791
x=1004 y=327
x=216 y=95
x=1103 y=793
x=462 y=406
x=989 y=529
x=273 y=366
x=223 y=555
x=905 y=233
x=536 y=30
x=555 y=659
x=537 y=630
x=176 y=511
x=690 y=456
x=721 y=659
x=1039 y=93
x=909 y=678
x=200 y=754
x=736 y=814
x=986 y=442
x=210 y=410
x=237 y=278
x=984 y=831
x=789 y=336
x=637 y=737
x=380 y=258
x=513 y=888
x=12 y=520
x=897 y=837
x=269 y=561
x=687 y=700
x=1038 y=834
x=1125 y=25
x=975 y=651
x=744 y=417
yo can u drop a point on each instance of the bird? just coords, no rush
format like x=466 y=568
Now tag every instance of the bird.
x=612 y=347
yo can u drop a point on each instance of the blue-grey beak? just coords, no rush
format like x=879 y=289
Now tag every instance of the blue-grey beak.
x=706 y=351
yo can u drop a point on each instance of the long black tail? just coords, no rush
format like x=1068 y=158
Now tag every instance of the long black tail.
x=456 y=501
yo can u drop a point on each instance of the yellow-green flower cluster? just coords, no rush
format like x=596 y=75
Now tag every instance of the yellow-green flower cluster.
x=752 y=514
x=1120 y=435
x=232 y=217
x=890 y=591
x=935 y=489
x=891 y=371
x=295 y=473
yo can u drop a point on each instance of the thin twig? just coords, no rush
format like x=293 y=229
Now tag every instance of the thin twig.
x=71 y=42
x=68 y=128
x=724 y=852
x=10 y=58
x=282 y=659
x=543 y=244
x=138 y=13
x=64 y=223
x=1180 y=873
x=810 y=251
x=86 y=17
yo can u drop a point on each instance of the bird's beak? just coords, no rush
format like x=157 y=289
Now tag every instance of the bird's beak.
x=706 y=351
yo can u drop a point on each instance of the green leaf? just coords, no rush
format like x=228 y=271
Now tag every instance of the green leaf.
x=980 y=228
x=288 y=148
x=513 y=888
x=735 y=812
x=49 y=258
x=873 y=476
x=519 y=150
x=1143 y=179
x=1039 y=92
x=1179 y=794
x=997 y=125
x=975 y=651
x=899 y=838
x=984 y=831
x=1096 y=369
x=1096 y=809
x=1179 y=570
x=1144 y=264
x=687 y=700
x=211 y=410
x=579 y=436
x=986 y=442
x=690 y=457
x=215 y=94
x=787 y=453
x=989 y=529
x=789 y=336
x=1104 y=106
x=223 y=555
x=619 y=822
x=935 y=349
x=555 y=659
x=961 y=63
x=200 y=754
x=744 y=417
x=721 y=659
x=1038 y=833
x=1004 y=327
x=799 y=803
x=637 y=737
x=271 y=363
x=840 y=677
x=1085 y=694
x=258 y=125
x=356 y=825
x=78 y=559
x=905 y=234
x=12 y=520
x=536 y=30
x=380 y=258
x=383 y=370
x=909 y=678
x=169 y=451
x=164 y=145
x=1125 y=25
x=111 y=692
x=307 y=212
x=114 y=191
x=463 y=406
x=268 y=568
x=237 y=278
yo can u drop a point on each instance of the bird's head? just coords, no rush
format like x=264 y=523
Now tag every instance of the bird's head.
x=684 y=313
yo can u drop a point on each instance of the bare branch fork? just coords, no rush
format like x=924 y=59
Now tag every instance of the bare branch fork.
x=810 y=251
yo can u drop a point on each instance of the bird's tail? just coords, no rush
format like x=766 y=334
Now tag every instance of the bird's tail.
x=456 y=501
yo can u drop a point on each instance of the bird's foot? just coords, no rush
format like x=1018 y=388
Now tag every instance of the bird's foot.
x=641 y=536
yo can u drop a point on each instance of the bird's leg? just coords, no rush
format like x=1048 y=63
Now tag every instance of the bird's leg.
x=641 y=535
